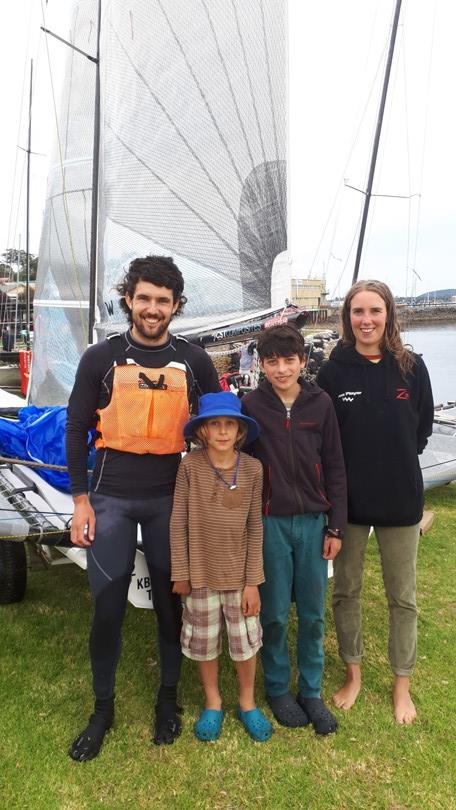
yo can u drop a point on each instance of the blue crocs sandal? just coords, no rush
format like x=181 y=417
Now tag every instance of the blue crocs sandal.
x=255 y=724
x=209 y=725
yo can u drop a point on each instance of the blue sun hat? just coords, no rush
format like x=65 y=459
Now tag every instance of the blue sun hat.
x=223 y=403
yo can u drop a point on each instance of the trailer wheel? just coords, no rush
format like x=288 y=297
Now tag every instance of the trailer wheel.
x=13 y=572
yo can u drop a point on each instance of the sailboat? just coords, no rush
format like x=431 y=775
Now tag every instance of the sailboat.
x=189 y=161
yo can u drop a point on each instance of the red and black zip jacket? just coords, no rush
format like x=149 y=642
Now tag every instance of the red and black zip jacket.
x=301 y=453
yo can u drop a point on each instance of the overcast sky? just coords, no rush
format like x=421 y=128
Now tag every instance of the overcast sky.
x=337 y=53
x=21 y=41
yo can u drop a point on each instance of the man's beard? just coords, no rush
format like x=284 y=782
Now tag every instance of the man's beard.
x=159 y=329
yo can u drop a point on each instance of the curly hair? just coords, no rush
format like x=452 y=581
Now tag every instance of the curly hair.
x=158 y=270
x=391 y=339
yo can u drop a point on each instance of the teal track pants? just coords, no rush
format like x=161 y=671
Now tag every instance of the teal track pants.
x=293 y=565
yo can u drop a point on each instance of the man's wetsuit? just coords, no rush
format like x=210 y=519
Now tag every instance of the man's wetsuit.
x=129 y=489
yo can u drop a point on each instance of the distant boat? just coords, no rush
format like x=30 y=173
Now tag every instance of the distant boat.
x=438 y=460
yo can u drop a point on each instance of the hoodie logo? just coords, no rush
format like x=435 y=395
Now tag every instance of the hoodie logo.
x=402 y=393
x=348 y=396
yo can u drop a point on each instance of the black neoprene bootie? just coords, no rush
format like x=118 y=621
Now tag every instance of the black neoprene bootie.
x=323 y=721
x=88 y=743
x=168 y=724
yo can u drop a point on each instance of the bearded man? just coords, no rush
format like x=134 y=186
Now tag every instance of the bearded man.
x=137 y=390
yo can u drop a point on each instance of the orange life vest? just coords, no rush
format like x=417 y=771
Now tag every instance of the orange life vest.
x=148 y=407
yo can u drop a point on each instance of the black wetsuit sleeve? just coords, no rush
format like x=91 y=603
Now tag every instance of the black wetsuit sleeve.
x=82 y=406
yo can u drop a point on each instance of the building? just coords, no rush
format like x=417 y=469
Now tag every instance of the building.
x=309 y=293
x=13 y=303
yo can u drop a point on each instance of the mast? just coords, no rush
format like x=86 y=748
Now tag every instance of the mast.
x=378 y=130
x=27 y=221
x=95 y=183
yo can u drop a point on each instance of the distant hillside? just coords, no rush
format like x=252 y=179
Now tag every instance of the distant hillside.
x=436 y=295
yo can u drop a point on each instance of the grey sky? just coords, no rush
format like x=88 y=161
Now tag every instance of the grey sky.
x=336 y=50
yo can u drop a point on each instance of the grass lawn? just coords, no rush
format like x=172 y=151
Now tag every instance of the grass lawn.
x=45 y=699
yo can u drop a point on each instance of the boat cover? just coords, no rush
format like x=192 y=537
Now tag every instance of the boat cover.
x=38 y=434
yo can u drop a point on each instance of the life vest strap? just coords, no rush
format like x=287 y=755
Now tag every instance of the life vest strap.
x=119 y=355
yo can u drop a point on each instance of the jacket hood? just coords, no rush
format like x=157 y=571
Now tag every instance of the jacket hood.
x=346 y=354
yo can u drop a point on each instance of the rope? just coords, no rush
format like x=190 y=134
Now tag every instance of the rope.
x=439 y=464
x=40 y=464
x=20 y=537
x=225 y=352
x=61 y=515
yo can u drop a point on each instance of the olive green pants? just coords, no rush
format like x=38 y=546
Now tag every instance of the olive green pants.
x=398 y=548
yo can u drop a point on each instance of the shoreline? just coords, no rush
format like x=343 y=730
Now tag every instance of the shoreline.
x=408 y=315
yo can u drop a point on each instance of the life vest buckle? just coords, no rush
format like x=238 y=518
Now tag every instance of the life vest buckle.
x=145 y=382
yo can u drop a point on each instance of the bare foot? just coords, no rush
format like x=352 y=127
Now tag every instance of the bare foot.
x=404 y=708
x=346 y=696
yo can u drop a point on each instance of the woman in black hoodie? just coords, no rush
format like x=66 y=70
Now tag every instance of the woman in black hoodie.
x=383 y=400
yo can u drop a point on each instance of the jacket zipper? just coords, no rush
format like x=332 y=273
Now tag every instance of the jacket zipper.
x=317 y=470
x=268 y=499
x=292 y=458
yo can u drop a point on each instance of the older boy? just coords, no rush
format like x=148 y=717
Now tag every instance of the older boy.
x=304 y=508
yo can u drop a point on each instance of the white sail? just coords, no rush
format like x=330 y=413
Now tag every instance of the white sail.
x=192 y=164
x=62 y=287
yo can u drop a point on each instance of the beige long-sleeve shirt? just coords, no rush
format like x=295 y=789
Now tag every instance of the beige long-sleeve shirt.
x=217 y=533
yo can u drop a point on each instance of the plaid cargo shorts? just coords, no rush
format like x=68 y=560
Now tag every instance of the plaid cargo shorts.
x=205 y=613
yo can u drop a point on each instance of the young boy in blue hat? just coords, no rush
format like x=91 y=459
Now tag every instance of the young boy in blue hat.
x=305 y=512
x=216 y=556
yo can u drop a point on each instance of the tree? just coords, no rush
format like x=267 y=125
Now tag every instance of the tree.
x=10 y=260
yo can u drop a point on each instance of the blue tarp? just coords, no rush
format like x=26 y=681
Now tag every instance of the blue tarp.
x=39 y=435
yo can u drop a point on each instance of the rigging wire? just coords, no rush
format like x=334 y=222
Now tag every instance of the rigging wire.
x=62 y=515
x=425 y=130
x=9 y=235
x=382 y=151
x=6 y=314
x=412 y=241
x=42 y=533
x=340 y=184
x=409 y=172
x=36 y=56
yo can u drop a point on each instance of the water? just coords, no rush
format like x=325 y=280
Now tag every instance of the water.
x=437 y=343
